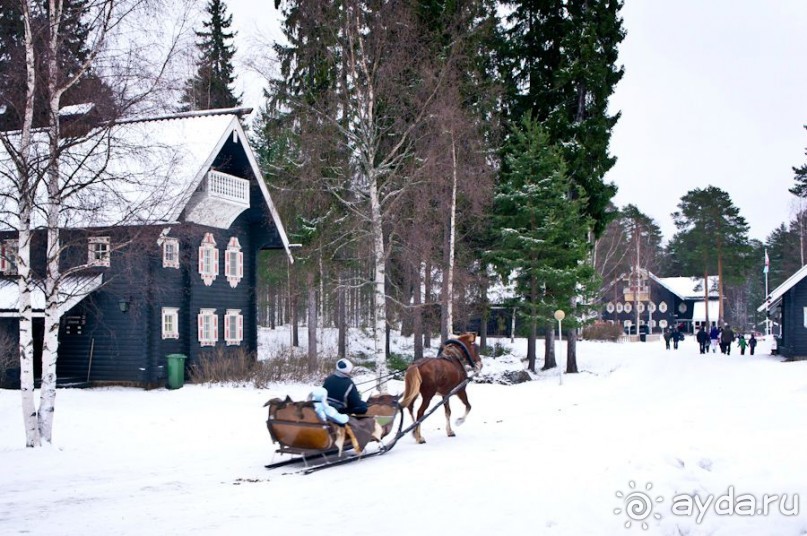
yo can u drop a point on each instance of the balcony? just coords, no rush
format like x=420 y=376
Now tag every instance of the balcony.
x=228 y=188
x=219 y=200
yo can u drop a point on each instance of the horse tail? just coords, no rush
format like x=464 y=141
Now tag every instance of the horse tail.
x=412 y=381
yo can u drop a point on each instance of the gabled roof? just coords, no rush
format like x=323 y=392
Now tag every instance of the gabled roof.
x=142 y=171
x=687 y=288
x=778 y=292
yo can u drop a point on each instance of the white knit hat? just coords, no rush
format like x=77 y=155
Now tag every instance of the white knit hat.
x=344 y=366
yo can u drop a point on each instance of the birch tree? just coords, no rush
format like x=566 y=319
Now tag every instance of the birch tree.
x=38 y=173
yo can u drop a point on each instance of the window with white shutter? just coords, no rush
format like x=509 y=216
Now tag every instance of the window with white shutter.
x=208 y=327
x=233 y=327
x=208 y=259
x=234 y=262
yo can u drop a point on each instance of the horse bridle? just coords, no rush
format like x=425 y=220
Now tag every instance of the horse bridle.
x=465 y=352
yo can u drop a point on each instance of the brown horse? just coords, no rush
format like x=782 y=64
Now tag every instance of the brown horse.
x=439 y=375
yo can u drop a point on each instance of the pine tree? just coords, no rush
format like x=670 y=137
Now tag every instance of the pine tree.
x=211 y=86
x=712 y=236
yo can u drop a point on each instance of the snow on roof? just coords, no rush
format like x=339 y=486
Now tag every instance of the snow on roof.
x=778 y=292
x=699 y=311
x=72 y=290
x=687 y=288
x=77 y=109
x=138 y=172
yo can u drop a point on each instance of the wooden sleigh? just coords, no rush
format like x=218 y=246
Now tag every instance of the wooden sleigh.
x=298 y=431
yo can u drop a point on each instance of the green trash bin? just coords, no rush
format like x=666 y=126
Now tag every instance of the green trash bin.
x=176 y=370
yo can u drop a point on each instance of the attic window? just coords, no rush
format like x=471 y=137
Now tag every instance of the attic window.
x=208 y=259
x=234 y=262
x=8 y=257
x=170 y=253
x=98 y=254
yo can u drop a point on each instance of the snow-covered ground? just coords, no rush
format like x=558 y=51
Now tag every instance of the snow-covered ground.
x=637 y=424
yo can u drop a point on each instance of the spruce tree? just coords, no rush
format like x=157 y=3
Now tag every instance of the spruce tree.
x=211 y=86
x=558 y=60
x=541 y=243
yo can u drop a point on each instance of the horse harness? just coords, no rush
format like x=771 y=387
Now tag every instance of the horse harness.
x=465 y=352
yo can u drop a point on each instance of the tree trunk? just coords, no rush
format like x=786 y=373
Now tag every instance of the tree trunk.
x=549 y=349
x=341 y=318
x=312 y=323
x=485 y=313
x=427 y=300
x=531 y=344
x=27 y=187
x=53 y=278
x=571 y=352
x=417 y=314
x=447 y=328
x=379 y=294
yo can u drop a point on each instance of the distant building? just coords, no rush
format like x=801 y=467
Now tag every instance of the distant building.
x=786 y=305
x=659 y=302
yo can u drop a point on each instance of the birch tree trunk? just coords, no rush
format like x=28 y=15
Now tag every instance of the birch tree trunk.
x=379 y=293
x=27 y=188
x=448 y=280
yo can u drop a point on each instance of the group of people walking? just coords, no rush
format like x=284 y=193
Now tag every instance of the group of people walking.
x=723 y=338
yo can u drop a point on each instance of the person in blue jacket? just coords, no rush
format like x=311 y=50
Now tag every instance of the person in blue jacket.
x=342 y=392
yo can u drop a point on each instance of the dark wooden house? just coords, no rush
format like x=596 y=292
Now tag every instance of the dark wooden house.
x=167 y=263
x=786 y=306
x=659 y=302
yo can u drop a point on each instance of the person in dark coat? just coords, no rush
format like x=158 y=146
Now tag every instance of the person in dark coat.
x=667 y=335
x=703 y=340
x=677 y=335
x=752 y=343
x=726 y=338
x=342 y=392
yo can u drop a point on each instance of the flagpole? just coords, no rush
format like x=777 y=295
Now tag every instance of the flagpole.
x=767 y=296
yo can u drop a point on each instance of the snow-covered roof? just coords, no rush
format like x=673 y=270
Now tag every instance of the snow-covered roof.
x=688 y=288
x=140 y=171
x=72 y=290
x=778 y=292
x=699 y=311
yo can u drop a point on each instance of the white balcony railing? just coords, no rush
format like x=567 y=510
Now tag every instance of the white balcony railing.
x=223 y=186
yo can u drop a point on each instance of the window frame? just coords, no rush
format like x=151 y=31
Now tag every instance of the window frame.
x=205 y=338
x=8 y=256
x=208 y=259
x=171 y=313
x=99 y=251
x=229 y=316
x=234 y=274
x=170 y=243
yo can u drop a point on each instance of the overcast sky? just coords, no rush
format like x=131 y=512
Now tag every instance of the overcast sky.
x=714 y=93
